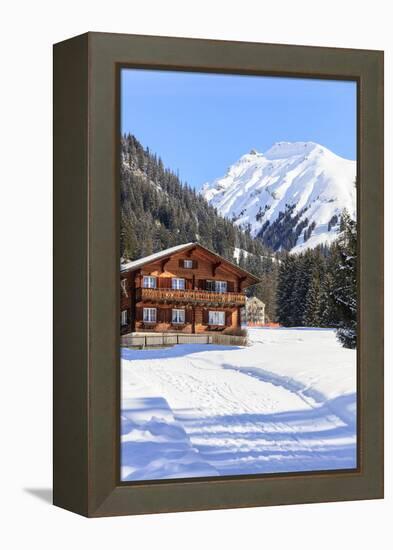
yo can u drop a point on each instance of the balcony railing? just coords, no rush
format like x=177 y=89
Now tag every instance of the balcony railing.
x=167 y=295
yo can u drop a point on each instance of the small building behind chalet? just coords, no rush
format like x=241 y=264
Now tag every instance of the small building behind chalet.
x=186 y=288
x=254 y=312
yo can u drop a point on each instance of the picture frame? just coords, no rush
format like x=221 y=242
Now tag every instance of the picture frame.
x=86 y=387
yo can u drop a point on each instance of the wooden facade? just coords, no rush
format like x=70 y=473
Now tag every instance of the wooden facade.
x=186 y=289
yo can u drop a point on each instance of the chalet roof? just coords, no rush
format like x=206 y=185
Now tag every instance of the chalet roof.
x=136 y=264
x=131 y=266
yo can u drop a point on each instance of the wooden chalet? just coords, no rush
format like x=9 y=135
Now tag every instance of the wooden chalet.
x=186 y=288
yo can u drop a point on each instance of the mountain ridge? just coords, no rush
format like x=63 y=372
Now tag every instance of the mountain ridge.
x=290 y=197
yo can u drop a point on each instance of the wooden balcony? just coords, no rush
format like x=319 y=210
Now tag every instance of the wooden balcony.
x=196 y=297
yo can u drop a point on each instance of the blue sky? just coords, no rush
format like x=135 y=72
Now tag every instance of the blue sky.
x=200 y=124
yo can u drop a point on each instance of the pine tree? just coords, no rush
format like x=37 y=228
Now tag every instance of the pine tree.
x=345 y=282
x=312 y=312
x=302 y=279
x=328 y=311
x=285 y=290
x=301 y=288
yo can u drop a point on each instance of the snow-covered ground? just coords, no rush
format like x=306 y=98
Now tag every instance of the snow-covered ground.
x=286 y=403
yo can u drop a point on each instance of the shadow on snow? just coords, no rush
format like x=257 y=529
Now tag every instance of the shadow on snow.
x=178 y=350
x=178 y=444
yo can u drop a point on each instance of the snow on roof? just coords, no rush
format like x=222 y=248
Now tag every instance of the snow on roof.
x=153 y=257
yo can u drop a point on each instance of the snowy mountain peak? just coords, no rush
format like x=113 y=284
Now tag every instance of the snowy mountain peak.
x=252 y=156
x=285 y=149
x=291 y=196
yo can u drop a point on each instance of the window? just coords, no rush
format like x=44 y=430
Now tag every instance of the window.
x=188 y=264
x=221 y=286
x=210 y=286
x=149 y=314
x=124 y=318
x=149 y=281
x=178 y=284
x=178 y=316
x=216 y=286
x=216 y=317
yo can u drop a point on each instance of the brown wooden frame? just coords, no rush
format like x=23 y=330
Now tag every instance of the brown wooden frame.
x=86 y=273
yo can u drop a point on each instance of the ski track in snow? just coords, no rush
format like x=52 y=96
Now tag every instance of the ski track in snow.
x=195 y=410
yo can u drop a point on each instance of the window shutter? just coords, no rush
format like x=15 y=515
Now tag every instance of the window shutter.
x=139 y=314
x=202 y=284
x=194 y=264
x=188 y=315
x=228 y=318
x=205 y=317
x=189 y=284
x=161 y=315
x=164 y=282
x=181 y=263
x=230 y=286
